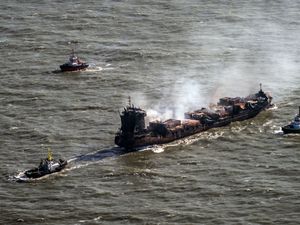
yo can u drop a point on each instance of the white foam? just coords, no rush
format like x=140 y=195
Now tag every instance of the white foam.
x=274 y=107
x=278 y=131
x=94 y=69
x=158 y=149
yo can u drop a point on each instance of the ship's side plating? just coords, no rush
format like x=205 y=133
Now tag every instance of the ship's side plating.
x=133 y=132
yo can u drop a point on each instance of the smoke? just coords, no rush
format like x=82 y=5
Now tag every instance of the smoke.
x=237 y=53
x=189 y=96
x=234 y=81
x=264 y=53
x=160 y=114
x=183 y=95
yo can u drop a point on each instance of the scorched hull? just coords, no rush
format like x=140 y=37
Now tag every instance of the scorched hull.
x=147 y=139
x=133 y=132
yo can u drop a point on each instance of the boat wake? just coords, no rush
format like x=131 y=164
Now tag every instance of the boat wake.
x=21 y=177
x=94 y=157
x=96 y=68
x=273 y=107
x=279 y=131
x=153 y=148
x=75 y=163
x=183 y=142
x=99 y=155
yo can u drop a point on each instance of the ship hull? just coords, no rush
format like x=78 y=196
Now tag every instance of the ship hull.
x=69 y=68
x=146 y=139
x=133 y=132
x=289 y=130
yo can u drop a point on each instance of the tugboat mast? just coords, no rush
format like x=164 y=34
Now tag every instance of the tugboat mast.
x=73 y=52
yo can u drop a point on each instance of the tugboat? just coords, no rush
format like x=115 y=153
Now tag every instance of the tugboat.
x=294 y=126
x=46 y=166
x=134 y=132
x=74 y=64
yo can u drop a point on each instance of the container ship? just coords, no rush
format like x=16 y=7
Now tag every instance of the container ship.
x=134 y=133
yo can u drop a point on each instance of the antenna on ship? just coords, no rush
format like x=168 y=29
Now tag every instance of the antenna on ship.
x=73 y=43
x=129 y=101
x=260 y=86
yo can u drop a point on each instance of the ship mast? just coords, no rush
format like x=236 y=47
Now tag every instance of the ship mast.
x=260 y=86
x=73 y=43
x=129 y=101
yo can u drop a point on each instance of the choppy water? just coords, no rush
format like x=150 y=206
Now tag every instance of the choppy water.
x=169 y=56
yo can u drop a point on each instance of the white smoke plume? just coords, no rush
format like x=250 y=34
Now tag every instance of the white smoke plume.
x=236 y=61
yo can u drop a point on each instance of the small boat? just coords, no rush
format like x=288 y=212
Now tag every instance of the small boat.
x=46 y=166
x=74 y=64
x=294 y=126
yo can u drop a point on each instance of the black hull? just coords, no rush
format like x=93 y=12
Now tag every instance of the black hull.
x=289 y=130
x=68 y=68
x=146 y=139
x=36 y=173
x=240 y=117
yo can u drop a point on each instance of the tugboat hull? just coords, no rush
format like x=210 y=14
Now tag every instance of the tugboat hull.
x=69 y=68
x=290 y=130
x=37 y=173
